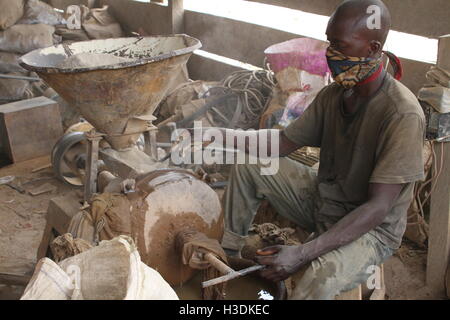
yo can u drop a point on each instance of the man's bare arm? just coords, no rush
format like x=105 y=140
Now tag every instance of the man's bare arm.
x=286 y=146
x=284 y=261
x=358 y=222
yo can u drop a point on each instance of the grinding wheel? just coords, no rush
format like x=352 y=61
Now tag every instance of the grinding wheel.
x=174 y=201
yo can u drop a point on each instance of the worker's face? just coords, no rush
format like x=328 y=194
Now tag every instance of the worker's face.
x=351 y=57
x=342 y=37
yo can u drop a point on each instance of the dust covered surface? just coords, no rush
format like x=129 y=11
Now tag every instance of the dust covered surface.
x=22 y=222
x=22 y=218
x=405 y=274
x=91 y=60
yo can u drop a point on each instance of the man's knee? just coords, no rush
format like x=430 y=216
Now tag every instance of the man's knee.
x=245 y=170
x=319 y=281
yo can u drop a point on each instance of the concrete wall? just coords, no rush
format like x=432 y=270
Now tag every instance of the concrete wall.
x=428 y=18
x=246 y=42
x=153 y=18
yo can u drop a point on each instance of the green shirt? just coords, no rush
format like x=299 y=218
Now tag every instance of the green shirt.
x=381 y=143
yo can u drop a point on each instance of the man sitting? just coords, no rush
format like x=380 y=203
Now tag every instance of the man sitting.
x=370 y=129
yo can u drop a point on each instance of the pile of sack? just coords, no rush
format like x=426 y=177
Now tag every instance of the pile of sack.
x=26 y=25
x=113 y=270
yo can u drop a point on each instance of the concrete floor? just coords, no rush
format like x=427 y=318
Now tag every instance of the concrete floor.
x=22 y=221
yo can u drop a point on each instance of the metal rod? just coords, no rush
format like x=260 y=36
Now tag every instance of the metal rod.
x=7 y=76
x=231 y=276
x=90 y=183
x=153 y=146
x=150 y=144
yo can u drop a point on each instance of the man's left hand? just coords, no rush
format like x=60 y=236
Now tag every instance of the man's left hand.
x=281 y=261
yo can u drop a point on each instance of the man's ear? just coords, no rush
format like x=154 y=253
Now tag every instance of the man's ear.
x=375 y=48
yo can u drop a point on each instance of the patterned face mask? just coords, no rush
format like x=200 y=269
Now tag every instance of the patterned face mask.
x=349 y=71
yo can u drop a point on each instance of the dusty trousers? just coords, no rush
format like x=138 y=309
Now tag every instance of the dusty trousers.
x=293 y=192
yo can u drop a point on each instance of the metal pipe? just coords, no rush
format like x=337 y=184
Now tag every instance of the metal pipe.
x=7 y=76
x=231 y=276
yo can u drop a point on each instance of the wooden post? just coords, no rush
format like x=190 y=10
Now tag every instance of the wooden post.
x=177 y=16
x=439 y=239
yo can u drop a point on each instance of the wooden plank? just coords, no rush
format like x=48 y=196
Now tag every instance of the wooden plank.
x=380 y=294
x=444 y=53
x=47 y=237
x=439 y=239
x=14 y=279
x=61 y=210
x=447 y=281
x=177 y=16
x=355 y=294
x=59 y=214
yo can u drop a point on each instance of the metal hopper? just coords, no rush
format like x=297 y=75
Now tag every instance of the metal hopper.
x=118 y=99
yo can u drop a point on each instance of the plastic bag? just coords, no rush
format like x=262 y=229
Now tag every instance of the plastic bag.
x=49 y=282
x=10 y=12
x=39 y=12
x=23 y=38
x=301 y=69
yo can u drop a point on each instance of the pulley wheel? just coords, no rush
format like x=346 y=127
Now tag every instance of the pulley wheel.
x=69 y=158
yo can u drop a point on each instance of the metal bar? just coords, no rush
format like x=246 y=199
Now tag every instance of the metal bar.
x=7 y=76
x=147 y=147
x=150 y=144
x=231 y=276
x=204 y=109
x=90 y=184
x=153 y=145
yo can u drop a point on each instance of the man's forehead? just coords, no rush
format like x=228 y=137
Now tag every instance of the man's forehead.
x=345 y=28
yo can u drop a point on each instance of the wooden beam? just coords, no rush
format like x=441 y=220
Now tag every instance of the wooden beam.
x=355 y=294
x=444 y=52
x=14 y=279
x=177 y=16
x=439 y=239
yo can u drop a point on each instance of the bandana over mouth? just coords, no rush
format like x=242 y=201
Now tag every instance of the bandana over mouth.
x=349 y=71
